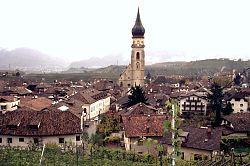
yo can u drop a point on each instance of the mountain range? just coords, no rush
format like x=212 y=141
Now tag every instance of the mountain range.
x=28 y=59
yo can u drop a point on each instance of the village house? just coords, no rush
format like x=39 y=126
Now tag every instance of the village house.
x=239 y=102
x=236 y=125
x=138 y=128
x=198 y=143
x=94 y=102
x=24 y=128
x=9 y=103
x=193 y=103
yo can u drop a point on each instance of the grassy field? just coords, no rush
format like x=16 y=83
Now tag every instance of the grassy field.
x=69 y=76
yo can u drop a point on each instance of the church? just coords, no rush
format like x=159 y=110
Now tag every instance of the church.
x=134 y=73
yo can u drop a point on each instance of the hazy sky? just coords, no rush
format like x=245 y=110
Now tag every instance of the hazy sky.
x=175 y=29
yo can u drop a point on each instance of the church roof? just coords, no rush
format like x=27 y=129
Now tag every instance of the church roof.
x=138 y=29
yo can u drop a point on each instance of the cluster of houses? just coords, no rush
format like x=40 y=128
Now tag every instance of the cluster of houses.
x=40 y=113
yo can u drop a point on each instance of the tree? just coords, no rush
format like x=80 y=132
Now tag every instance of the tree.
x=237 y=79
x=18 y=74
x=108 y=124
x=216 y=102
x=228 y=109
x=93 y=142
x=148 y=77
x=182 y=82
x=137 y=95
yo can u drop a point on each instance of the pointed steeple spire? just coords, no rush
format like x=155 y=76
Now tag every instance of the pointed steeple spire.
x=138 y=29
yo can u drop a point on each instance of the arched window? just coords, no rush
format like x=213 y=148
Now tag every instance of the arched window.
x=121 y=84
x=137 y=65
x=137 y=56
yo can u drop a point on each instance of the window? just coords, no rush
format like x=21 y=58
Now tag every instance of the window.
x=241 y=105
x=0 y=140
x=35 y=140
x=3 y=107
x=128 y=85
x=34 y=127
x=61 y=140
x=137 y=65
x=78 y=138
x=21 y=139
x=9 y=140
x=197 y=157
x=85 y=110
x=137 y=56
x=121 y=84
x=12 y=127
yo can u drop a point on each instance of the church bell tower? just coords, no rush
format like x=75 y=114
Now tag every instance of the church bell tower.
x=138 y=54
x=134 y=73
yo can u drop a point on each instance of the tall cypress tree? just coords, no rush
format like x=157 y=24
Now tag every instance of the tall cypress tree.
x=216 y=102
x=137 y=95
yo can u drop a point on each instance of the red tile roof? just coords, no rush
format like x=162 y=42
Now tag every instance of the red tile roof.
x=50 y=123
x=35 y=103
x=142 y=125
x=139 y=108
x=239 y=121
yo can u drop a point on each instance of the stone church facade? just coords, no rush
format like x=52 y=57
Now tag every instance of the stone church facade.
x=134 y=73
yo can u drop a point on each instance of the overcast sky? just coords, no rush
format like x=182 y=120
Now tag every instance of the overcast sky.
x=175 y=29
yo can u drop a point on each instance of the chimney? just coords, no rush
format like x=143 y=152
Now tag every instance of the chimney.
x=209 y=132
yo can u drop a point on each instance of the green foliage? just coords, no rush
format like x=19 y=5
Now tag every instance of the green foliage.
x=85 y=136
x=102 y=157
x=228 y=109
x=109 y=124
x=174 y=129
x=223 y=81
x=112 y=139
x=136 y=95
x=216 y=102
x=238 y=80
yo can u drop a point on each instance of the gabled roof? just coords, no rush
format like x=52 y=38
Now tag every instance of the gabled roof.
x=89 y=96
x=49 y=123
x=5 y=99
x=240 y=121
x=35 y=103
x=143 y=125
x=140 y=108
x=199 y=138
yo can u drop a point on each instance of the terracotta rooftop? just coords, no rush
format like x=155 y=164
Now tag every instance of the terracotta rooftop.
x=139 y=108
x=35 y=103
x=74 y=106
x=47 y=122
x=89 y=96
x=4 y=99
x=200 y=138
x=239 y=121
x=143 y=125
